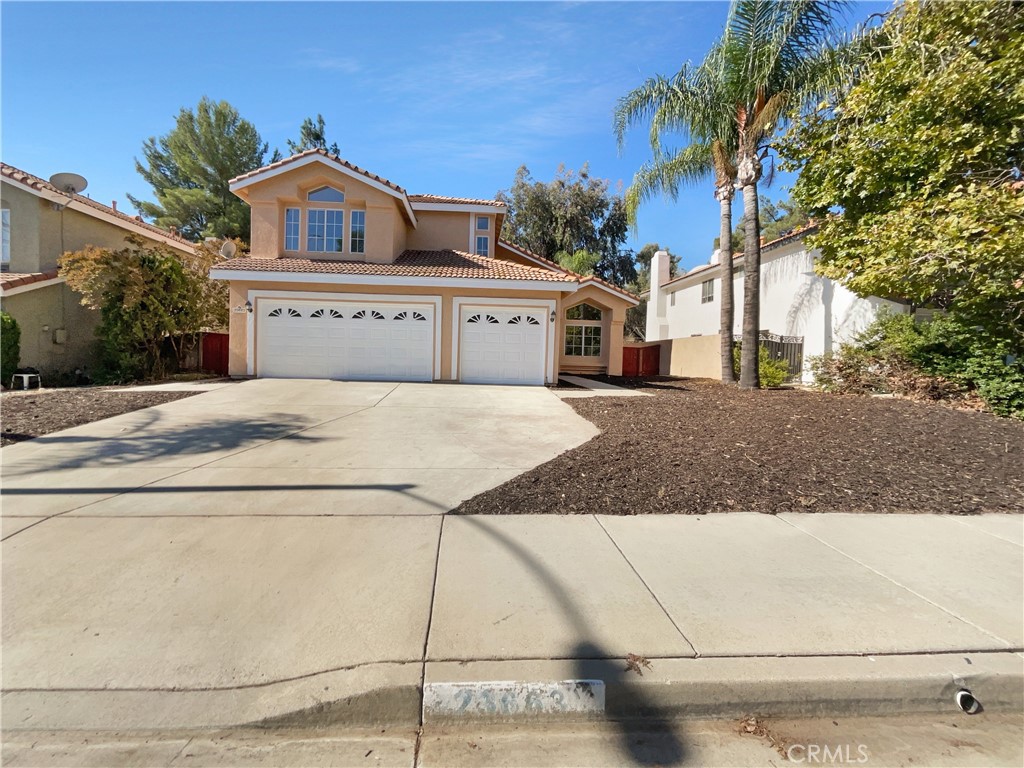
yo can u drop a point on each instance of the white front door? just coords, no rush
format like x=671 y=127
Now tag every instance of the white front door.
x=298 y=338
x=498 y=345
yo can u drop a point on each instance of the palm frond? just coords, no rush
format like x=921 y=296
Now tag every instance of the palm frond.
x=665 y=174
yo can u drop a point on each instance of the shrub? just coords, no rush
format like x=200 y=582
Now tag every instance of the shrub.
x=943 y=359
x=10 y=347
x=771 y=372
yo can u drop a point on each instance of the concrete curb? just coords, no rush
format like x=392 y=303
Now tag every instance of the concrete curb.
x=540 y=691
x=737 y=687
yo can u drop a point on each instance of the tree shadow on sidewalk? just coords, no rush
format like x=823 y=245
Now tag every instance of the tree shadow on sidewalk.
x=649 y=741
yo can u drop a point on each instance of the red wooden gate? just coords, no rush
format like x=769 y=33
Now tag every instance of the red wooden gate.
x=214 y=356
x=641 y=361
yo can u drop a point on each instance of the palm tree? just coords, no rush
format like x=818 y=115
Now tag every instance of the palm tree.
x=774 y=57
x=689 y=103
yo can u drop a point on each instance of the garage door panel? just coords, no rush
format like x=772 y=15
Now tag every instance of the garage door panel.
x=345 y=339
x=503 y=346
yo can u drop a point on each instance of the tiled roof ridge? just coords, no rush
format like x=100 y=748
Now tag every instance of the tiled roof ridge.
x=560 y=268
x=425 y=198
x=31 y=180
x=410 y=263
x=317 y=151
x=15 y=279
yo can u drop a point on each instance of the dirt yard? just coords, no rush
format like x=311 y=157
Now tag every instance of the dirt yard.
x=24 y=415
x=697 y=446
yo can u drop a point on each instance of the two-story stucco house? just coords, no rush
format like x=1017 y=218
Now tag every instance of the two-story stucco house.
x=350 y=277
x=40 y=223
x=798 y=307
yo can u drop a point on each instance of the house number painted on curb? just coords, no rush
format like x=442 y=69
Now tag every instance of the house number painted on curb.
x=512 y=699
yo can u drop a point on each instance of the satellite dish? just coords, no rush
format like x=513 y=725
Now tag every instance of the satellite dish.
x=228 y=249
x=70 y=183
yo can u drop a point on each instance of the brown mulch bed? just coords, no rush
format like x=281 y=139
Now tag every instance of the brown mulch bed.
x=25 y=415
x=698 y=446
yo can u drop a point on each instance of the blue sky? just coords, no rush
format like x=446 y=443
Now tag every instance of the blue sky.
x=443 y=98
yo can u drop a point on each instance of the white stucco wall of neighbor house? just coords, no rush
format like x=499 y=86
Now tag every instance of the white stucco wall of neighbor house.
x=794 y=302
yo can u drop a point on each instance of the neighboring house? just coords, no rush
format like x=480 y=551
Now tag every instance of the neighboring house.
x=350 y=277
x=801 y=312
x=40 y=223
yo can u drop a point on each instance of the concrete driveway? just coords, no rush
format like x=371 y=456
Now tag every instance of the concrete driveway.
x=286 y=447
x=259 y=532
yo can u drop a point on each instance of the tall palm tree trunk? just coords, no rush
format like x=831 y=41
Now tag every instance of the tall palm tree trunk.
x=725 y=193
x=749 y=372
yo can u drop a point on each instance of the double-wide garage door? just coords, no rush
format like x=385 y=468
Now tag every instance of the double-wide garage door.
x=297 y=338
x=345 y=340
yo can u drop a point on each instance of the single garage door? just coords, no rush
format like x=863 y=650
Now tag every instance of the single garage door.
x=345 y=340
x=502 y=346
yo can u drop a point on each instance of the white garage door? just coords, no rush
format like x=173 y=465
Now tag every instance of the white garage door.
x=345 y=340
x=502 y=346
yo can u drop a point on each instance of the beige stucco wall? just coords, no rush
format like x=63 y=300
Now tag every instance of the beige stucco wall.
x=385 y=222
x=41 y=313
x=696 y=357
x=440 y=229
x=239 y=292
x=613 y=317
x=39 y=234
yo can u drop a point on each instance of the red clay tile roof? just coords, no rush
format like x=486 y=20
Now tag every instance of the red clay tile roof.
x=454 y=200
x=10 y=280
x=558 y=267
x=444 y=263
x=42 y=185
x=325 y=153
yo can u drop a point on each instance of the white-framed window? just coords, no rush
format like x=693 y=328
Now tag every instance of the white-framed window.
x=325 y=230
x=672 y=299
x=357 y=237
x=6 y=258
x=483 y=245
x=583 y=331
x=483 y=223
x=707 y=291
x=291 y=229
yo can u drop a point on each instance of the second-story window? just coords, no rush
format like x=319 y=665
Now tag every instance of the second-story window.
x=326 y=230
x=357 y=240
x=483 y=223
x=483 y=245
x=291 y=229
x=325 y=227
x=707 y=291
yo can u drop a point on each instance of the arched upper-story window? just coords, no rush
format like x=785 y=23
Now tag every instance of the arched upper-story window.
x=326 y=195
x=583 y=312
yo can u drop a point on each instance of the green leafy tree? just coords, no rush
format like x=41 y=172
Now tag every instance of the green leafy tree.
x=10 y=347
x=149 y=296
x=575 y=219
x=190 y=167
x=922 y=159
x=774 y=57
x=691 y=103
x=312 y=135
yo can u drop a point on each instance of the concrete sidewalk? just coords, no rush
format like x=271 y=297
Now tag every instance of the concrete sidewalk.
x=134 y=622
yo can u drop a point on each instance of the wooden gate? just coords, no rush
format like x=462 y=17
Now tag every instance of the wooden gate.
x=641 y=361
x=214 y=353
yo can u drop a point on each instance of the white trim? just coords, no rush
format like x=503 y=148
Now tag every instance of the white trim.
x=459 y=302
x=254 y=295
x=15 y=290
x=589 y=281
x=235 y=186
x=335 y=278
x=493 y=210
x=96 y=213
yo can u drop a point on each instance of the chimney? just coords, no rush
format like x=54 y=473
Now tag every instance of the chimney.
x=113 y=204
